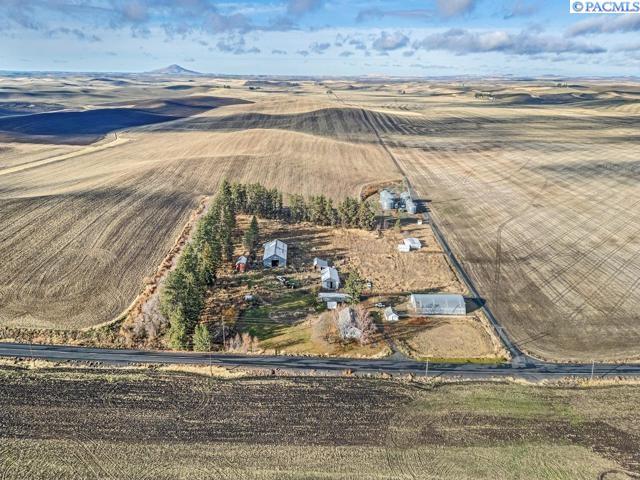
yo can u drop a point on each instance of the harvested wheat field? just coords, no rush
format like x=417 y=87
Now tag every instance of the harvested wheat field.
x=534 y=185
x=537 y=191
x=82 y=230
x=69 y=424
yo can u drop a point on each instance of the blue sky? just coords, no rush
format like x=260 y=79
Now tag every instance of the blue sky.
x=318 y=37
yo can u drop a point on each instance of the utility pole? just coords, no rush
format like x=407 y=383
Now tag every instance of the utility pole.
x=224 y=340
x=593 y=366
x=426 y=369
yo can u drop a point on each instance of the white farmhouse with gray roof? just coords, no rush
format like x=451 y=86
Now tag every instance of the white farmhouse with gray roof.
x=275 y=254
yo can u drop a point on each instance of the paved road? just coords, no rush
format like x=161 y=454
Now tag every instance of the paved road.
x=531 y=371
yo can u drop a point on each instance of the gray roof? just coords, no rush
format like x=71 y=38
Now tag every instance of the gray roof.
x=334 y=296
x=275 y=247
x=413 y=243
x=319 y=262
x=242 y=259
x=330 y=273
x=440 y=303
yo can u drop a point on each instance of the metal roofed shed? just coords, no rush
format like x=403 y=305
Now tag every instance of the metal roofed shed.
x=404 y=248
x=413 y=243
x=438 y=304
x=320 y=263
x=330 y=279
x=334 y=297
x=241 y=264
x=410 y=206
x=275 y=254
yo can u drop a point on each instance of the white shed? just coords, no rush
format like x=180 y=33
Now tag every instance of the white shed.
x=330 y=279
x=439 y=304
x=320 y=263
x=413 y=243
x=404 y=248
x=390 y=315
x=275 y=254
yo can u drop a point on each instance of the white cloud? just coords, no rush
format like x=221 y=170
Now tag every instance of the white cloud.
x=387 y=41
x=463 y=41
x=605 y=24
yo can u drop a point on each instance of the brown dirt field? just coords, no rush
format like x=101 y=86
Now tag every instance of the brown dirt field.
x=67 y=423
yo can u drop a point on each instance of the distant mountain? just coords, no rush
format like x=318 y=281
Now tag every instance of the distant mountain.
x=173 y=70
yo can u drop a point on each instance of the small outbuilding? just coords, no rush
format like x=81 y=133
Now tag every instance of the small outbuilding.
x=319 y=263
x=390 y=315
x=404 y=248
x=438 y=304
x=275 y=254
x=332 y=305
x=413 y=243
x=330 y=279
x=242 y=264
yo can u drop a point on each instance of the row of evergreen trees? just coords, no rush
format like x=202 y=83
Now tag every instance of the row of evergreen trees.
x=183 y=295
x=255 y=199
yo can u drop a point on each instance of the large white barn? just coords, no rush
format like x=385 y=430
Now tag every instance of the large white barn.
x=275 y=254
x=439 y=304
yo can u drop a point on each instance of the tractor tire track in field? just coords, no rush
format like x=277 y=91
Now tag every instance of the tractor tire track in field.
x=498 y=329
x=117 y=141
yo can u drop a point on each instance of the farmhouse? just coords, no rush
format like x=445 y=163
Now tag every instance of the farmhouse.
x=275 y=254
x=319 y=263
x=330 y=279
x=390 y=315
x=347 y=325
x=438 y=304
x=241 y=264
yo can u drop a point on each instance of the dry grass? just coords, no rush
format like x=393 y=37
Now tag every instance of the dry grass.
x=445 y=338
x=286 y=321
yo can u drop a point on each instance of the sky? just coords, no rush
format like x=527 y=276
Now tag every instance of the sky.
x=319 y=37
